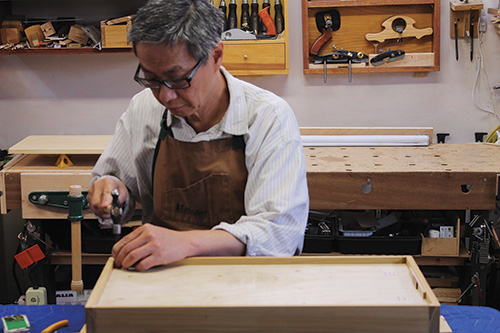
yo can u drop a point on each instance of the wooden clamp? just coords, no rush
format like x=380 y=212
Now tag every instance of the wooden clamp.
x=75 y=216
x=390 y=33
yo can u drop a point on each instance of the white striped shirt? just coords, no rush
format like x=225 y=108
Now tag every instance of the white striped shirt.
x=276 y=194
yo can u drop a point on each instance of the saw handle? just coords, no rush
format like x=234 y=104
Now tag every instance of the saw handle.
x=320 y=42
x=267 y=20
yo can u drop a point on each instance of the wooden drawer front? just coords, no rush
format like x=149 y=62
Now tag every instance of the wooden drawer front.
x=248 y=56
x=50 y=182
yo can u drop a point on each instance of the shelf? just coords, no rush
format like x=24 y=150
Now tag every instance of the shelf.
x=362 y=3
x=241 y=57
x=422 y=52
x=67 y=50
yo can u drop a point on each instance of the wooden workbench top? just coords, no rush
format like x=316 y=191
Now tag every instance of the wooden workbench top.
x=469 y=158
x=61 y=144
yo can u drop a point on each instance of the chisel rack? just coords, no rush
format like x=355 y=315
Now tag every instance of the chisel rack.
x=409 y=25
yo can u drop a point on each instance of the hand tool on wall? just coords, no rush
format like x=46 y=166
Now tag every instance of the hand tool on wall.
x=267 y=21
x=387 y=57
x=394 y=33
x=341 y=57
x=232 y=17
x=263 y=28
x=326 y=22
x=237 y=34
x=471 y=32
x=279 y=19
x=223 y=8
x=456 y=40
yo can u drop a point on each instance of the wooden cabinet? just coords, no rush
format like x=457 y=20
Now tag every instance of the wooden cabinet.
x=242 y=57
x=258 y=57
x=361 y=18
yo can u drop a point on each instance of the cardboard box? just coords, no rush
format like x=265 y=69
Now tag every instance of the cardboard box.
x=10 y=35
x=442 y=247
x=115 y=36
x=77 y=34
x=48 y=29
x=266 y=294
x=34 y=34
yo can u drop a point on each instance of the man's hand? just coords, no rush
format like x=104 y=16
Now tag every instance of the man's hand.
x=150 y=245
x=100 y=198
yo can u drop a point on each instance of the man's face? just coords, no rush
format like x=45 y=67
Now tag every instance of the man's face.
x=161 y=62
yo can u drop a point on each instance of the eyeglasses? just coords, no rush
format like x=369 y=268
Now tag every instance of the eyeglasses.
x=181 y=83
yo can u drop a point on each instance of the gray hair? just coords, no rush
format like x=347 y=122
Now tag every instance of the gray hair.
x=195 y=23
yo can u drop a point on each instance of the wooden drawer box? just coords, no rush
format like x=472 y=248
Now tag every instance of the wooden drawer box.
x=115 y=36
x=257 y=294
x=253 y=56
x=442 y=247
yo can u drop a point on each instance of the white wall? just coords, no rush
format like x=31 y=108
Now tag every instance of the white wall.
x=86 y=94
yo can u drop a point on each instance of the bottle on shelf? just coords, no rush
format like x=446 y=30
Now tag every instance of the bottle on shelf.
x=232 y=17
x=279 y=19
x=223 y=8
x=254 y=17
x=245 y=15
x=263 y=28
x=212 y=2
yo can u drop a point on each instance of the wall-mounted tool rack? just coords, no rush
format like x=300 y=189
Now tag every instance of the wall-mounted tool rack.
x=464 y=14
x=360 y=18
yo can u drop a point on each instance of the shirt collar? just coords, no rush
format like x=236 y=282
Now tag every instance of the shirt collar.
x=235 y=120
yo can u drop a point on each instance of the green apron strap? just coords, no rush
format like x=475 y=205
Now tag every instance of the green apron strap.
x=238 y=142
x=164 y=130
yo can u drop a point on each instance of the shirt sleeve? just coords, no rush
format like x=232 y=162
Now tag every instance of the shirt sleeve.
x=117 y=161
x=276 y=194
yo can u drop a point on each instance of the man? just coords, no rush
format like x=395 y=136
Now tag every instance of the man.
x=216 y=163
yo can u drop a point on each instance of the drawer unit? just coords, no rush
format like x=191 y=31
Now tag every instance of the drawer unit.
x=246 y=56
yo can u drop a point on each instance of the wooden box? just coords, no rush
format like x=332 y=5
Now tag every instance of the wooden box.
x=442 y=247
x=266 y=294
x=115 y=36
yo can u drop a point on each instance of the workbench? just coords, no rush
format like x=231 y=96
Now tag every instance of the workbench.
x=438 y=176
x=434 y=177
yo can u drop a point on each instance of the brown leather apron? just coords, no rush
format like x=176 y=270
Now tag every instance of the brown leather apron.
x=197 y=185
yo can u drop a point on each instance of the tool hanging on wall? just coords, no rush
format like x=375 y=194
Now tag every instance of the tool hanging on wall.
x=341 y=57
x=326 y=22
x=387 y=57
x=398 y=27
x=464 y=19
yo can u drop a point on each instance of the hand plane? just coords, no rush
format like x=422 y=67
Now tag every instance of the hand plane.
x=388 y=56
x=326 y=22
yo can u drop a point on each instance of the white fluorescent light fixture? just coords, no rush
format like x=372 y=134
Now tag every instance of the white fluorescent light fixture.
x=364 y=140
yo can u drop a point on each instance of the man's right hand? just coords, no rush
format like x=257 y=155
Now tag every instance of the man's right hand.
x=100 y=198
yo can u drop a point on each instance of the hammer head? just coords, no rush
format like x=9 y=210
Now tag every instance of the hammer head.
x=328 y=19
